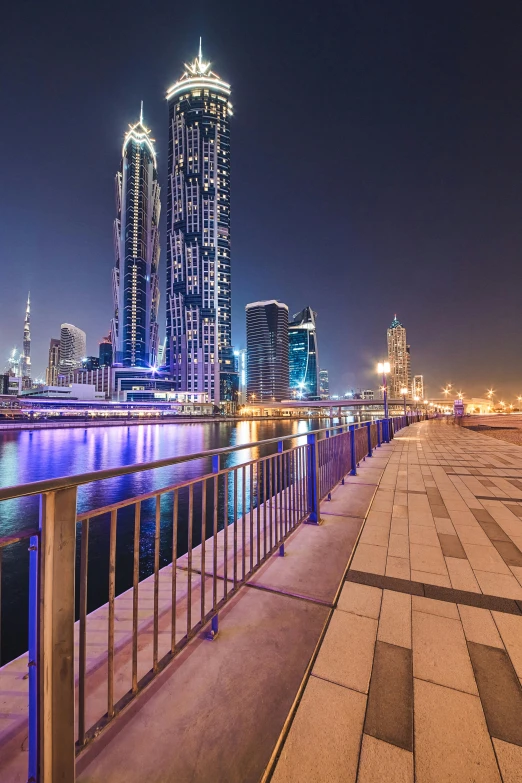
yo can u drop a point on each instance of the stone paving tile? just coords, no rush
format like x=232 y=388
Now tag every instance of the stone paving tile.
x=381 y=761
x=389 y=713
x=333 y=717
x=451 y=546
x=461 y=575
x=444 y=526
x=424 y=535
x=432 y=579
x=509 y=760
x=439 y=652
x=427 y=558
x=395 y=619
x=375 y=535
x=452 y=743
x=472 y=534
x=485 y=558
x=346 y=654
x=399 y=546
x=370 y=558
x=479 y=626
x=360 y=599
x=503 y=585
x=432 y=606
x=510 y=628
x=398 y=567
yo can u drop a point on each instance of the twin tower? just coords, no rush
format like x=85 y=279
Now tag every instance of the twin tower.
x=198 y=354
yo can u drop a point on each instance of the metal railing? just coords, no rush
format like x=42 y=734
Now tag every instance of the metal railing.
x=217 y=530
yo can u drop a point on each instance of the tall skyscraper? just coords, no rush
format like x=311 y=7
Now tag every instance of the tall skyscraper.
x=53 y=364
x=399 y=358
x=302 y=354
x=105 y=352
x=137 y=250
x=324 y=384
x=72 y=348
x=25 y=359
x=417 y=387
x=267 y=351
x=199 y=348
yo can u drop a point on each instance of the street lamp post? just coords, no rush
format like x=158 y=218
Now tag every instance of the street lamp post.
x=404 y=392
x=384 y=369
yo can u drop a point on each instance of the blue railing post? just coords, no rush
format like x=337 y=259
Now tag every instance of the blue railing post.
x=32 y=772
x=280 y=447
x=313 y=479
x=369 y=428
x=215 y=463
x=353 y=471
x=378 y=423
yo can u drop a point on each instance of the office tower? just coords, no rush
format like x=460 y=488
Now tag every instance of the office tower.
x=199 y=348
x=399 y=358
x=72 y=348
x=53 y=364
x=324 y=384
x=241 y=368
x=302 y=354
x=25 y=359
x=137 y=250
x=267 y=351
x=105 y=352
x=417 y=387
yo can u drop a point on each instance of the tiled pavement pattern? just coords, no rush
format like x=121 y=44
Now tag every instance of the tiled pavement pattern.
x=418 y=675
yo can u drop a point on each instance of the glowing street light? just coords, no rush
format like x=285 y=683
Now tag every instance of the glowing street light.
x=384 y=368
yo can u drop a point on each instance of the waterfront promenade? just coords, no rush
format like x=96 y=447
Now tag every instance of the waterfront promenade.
x=386 y=645
x=417 y=673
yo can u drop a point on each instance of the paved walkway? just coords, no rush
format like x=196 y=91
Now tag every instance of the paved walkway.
x=417 y=677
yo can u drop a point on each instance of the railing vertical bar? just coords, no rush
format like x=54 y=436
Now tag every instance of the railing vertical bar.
x=174 y=585
x=258 y=512
x=203 y=543
x=271 y=508
x=265 y=466
x=82 y=651
x=214 y=539
x=243 y=517
x=235 y=475
x=155 y=641
x=251 y=517
x=189 y=552
x=135 y=595
x=112 y=593
x=280 y=459
x=225 y=534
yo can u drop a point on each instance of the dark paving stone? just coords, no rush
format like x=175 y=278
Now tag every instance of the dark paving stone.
x=451 y=546
x=494 y=532
x=510 y=554
x=501 y=500
x=439 y=511
x=389 y=715
x=482 y=515
x=517 y=484
x=487 y=482
x=516 y=510
x=499 y=690
x=385 y=582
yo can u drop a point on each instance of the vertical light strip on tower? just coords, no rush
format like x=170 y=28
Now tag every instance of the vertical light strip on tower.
x=134 y=331
x=199 y=350
x=25 y=359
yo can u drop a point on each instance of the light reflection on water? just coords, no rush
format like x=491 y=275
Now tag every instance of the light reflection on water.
x=28 y=456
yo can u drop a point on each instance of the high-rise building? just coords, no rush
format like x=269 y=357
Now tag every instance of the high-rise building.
x=105 y=352
x=25 y=359
x=137 y=250
x=324 y=384
x=53 y=364
x=399 y=358
x=417 y=387
x=241 y=368
x=199 y=348
x=267 y=351
x=72 y=348
x=302 y=354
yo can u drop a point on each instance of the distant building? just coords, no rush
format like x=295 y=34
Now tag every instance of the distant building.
x=101 y=378
x=105 y=352
x=72 y=348
x=53 y=363
x=324 y=384
x=399 y=358
x=90 y=363
x=241 y=367
x=25 y=359
x=267 y=351
x=199 y=353
x=4 y=384
x=136 y=230
x=367 y=394
x=417 y=387
x=302 y=354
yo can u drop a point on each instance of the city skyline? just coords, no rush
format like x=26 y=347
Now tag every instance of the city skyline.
x=456 y=239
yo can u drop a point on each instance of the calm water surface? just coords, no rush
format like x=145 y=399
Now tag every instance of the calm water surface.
x=28 y=456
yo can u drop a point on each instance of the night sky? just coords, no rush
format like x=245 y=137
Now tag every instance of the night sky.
x=376 y=169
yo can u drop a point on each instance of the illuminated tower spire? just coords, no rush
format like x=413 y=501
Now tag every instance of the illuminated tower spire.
x=25 y=359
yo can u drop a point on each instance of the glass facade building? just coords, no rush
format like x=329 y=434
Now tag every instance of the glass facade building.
x=72 y=348
x=324 y=384
x=134 y=330
x=267 y=351
x=399 y=358
x=199 y=353
x=25 y=359
x=302 y=354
